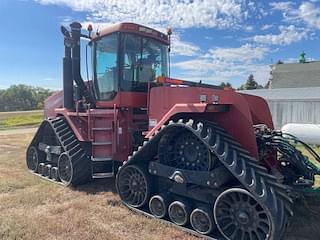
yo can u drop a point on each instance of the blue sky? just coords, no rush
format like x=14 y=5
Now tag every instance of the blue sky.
x=213 y=40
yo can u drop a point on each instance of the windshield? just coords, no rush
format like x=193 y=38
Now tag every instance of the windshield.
x=106 y=70
x=144 y=59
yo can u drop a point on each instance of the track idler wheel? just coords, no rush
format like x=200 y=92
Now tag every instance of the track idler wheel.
x=33 y=159
x=133 y=186
x=201 y=220
x=239 y=216
x=158 y=205
x=73 y=171
x=179 y=213
x=65 y=169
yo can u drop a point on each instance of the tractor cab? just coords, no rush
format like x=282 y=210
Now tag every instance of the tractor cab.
x=127 y=57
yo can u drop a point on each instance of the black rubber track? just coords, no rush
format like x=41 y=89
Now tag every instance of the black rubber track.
x=253 y=176
x=70 y=145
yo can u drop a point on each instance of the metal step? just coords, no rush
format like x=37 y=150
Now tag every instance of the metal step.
x=101 y=159
x=103 y=175
x=101 y=143
x=102 y=129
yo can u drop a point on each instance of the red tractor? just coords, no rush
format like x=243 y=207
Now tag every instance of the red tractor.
x=204 y=158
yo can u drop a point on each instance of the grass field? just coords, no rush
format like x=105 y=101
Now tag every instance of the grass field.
x=20 y=119
x=32 y=208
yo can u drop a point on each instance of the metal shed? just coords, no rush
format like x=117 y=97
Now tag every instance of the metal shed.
x=291 y=105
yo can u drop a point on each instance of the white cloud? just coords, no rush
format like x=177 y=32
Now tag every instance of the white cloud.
x=245 y=53
x=180 y=14
x=217 y=72
x=310 y=14
x=282 y=6
x=182 y=48
x=249 y=28
x=266 y=27
x=287 y=35
x=307 y=13
x=227 y=64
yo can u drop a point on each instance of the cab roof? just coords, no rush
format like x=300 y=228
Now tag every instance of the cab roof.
x=132 y=28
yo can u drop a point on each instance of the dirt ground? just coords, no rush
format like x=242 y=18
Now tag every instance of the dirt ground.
x=33 y=208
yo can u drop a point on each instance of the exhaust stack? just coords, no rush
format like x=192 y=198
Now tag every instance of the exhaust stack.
x=71 y=67
x=67 y=72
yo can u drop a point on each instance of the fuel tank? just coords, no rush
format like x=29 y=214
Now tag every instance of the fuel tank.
x=308 y=133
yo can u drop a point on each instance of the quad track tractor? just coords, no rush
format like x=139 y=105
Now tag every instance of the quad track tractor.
x=203 y=158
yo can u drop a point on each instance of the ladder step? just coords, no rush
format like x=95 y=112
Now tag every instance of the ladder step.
x=102 y=129
x=103 y=175
x=101 y=143
x=101 y=159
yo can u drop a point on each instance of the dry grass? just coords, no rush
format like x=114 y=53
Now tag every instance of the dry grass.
x=32 y=208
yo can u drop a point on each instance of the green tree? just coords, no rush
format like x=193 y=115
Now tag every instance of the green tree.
x=22 y=97
x=39 y=95
x=250 y=84
x=225 y=84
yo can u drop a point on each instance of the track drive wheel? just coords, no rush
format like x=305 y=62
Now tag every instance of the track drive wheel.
x=133 y=186
x=239 y=216
x=185 y=150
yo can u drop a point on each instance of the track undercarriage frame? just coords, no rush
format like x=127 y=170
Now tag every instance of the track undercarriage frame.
x=252 y=195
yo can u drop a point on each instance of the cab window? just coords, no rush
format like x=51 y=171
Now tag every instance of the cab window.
x=106 y=70
x=144 y=59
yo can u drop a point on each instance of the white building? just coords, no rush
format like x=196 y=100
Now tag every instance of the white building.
x=291 y=105
x=295 y=75
x=294 y=94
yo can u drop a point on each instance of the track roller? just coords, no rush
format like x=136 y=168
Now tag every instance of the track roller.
x=47 y=170
x=133 y=186
x=179 y=213
x=41 y=168
x=201 y=220
x=54 y=174
x=158 y=206
x=239 y=216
